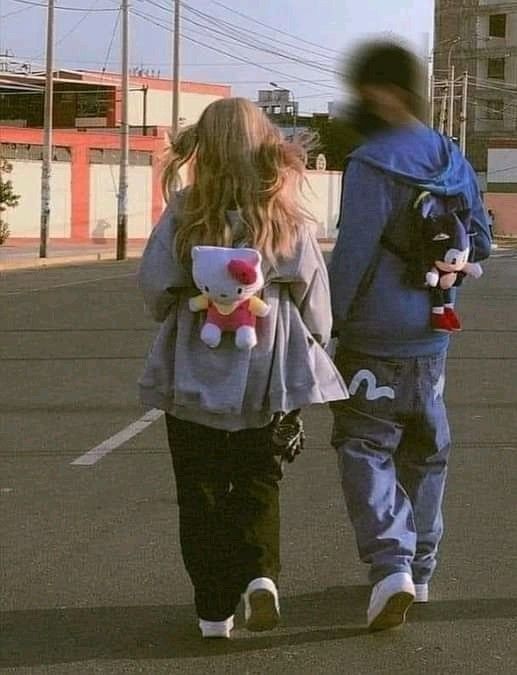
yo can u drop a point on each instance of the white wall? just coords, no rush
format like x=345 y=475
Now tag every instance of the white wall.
x=502 y=165
x=103 y=200
x=159 y=107
x=323 y=198
x=24 y=220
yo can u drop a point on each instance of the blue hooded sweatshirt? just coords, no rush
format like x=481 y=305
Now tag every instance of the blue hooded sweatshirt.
x=374 y=312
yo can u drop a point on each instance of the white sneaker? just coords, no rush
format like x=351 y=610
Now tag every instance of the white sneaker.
x=421 y=592
x=261 y=606
x=216 y=629
x=390 y=600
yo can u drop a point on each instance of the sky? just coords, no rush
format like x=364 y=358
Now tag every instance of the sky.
x=298 y=44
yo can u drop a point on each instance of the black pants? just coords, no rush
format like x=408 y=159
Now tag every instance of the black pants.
x=229 y=514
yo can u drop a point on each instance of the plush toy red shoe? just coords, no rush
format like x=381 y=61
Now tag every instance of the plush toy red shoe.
x=440 y=322
x=452 y=319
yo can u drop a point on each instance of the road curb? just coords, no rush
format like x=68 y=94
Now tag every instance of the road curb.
x=64 y=261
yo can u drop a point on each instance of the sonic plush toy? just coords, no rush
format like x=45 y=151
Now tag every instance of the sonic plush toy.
x=447 y=247
x=228 y=279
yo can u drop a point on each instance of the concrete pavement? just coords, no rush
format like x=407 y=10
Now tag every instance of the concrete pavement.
x=92 y=578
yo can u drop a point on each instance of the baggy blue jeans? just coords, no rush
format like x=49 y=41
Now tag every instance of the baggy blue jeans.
x=392 y=439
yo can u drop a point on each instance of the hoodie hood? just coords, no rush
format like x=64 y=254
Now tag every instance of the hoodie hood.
x=420 y=156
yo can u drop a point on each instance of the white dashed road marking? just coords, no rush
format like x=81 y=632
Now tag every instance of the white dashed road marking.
x=95 y=454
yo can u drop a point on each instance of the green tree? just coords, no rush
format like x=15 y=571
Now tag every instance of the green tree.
x=338 y=139
x=8 y=198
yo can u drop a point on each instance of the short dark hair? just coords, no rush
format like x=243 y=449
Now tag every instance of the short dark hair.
x=388 y=63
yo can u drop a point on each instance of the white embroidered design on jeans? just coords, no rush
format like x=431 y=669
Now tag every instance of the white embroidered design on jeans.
x=373 y=392
x=439 y=387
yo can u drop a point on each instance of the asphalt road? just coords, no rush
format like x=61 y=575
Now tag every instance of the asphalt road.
x=91 y=574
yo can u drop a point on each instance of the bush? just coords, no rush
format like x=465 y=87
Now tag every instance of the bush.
x=8 y=199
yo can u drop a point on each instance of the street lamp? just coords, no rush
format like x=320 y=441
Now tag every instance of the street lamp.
x=456 y=40
x=291 y=95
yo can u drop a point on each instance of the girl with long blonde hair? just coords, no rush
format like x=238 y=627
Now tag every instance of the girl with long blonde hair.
x=223 y=404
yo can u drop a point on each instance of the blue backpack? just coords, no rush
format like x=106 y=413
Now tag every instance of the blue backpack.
x=432 y=228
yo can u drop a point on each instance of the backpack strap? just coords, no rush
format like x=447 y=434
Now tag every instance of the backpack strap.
x=406 y=228
x=386 y=242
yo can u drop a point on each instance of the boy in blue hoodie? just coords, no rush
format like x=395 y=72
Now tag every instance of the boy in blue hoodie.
x=392 y=436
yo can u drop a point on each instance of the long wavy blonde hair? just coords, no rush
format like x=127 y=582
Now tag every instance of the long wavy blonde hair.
x=237 y=160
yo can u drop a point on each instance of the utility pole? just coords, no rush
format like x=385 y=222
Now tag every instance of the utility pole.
x=464 y=113
x=176 y=69
x=295 y=116
x=145 y=90
x=122 y=214
x=46 y=165
x=431 y=101
x=443 y=111
x=450 y=112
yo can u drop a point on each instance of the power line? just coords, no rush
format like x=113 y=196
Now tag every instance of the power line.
x=230 y=40
x=490 y=84
x=163 y=63
x=16 y=11
x=221 y=51
x=228 y=33
x=241 y=38
x=276 y=30
x=72 y=30
x=242 y=31
x=110 y=46
x=62 y=7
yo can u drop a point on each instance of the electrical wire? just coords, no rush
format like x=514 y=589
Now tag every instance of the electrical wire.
x=16 y=11
x=245 y=31
x=229 y=33
x=276 y=30
x=165 y=63
x=62 y=7
x=220 y=51
x=110 y=46
x=72 y=30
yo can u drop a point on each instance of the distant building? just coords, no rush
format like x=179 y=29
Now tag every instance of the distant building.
x=84 y=99
x=480 y=36
x=86 y=147
x=277 y=102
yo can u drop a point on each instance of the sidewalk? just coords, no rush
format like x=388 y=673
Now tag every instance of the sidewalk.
x=22 y=254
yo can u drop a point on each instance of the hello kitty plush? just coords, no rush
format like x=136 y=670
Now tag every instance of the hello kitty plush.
x=228 y=279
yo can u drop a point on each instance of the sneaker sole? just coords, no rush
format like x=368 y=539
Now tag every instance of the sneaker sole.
x=264 y=614
x=393 y=613
x=215 y=637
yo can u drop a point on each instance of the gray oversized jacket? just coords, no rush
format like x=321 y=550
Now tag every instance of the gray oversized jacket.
x=228 y=388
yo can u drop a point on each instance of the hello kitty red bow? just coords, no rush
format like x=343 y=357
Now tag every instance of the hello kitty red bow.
x=243 y=272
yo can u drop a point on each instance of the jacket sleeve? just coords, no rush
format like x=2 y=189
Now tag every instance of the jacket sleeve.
x=160 y=274
x=367 y=204
x=310 y=291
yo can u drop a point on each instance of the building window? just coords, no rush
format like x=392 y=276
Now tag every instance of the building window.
x=24 y=151
x=497 y=25
x=277 y=110
x=92 y=104
x=496 y=68
x=495 y=109
x=112 y=156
